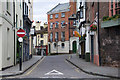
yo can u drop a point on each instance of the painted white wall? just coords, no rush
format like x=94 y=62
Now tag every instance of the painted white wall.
x=87 y=41
x=71 y=42
x=60 y=49
x=19 y=12
x=0 y=47
x=0 y=12
x=6 y=37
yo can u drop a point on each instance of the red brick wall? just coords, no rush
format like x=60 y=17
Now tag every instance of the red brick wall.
x=60 y=29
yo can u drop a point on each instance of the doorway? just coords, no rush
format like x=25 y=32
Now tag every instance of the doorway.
x=74 y=46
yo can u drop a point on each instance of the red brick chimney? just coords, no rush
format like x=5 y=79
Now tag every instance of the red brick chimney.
x=73 y=6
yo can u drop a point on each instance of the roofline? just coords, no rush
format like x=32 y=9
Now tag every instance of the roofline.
x=53 y=8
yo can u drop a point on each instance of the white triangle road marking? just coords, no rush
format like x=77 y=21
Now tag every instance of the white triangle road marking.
x=54 y=72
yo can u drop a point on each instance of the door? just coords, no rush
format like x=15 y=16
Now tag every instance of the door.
x=74 y=47
x=49 y=48
x=92 y=49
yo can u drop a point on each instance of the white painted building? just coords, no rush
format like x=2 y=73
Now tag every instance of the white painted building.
x=83 y=44
x=6 y=34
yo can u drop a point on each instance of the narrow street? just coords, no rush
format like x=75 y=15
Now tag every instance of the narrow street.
x=55 y=67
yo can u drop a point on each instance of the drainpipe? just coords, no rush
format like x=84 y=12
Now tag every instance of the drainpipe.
x=69 y=37
x=14 y=31
x=99 y=37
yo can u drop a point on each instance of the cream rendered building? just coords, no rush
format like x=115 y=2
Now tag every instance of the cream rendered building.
x=41 y=38
x=18 y=24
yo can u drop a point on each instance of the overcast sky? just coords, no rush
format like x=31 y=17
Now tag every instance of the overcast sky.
x=41 y=7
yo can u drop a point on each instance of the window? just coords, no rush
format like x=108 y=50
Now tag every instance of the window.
x=41 y=35
x=20 y=4
x=57 y=24
x=63 y=15
x=74 y=22
x=116 y=4
x=16 y=21
x=29 y=1
x=63 y=24
x=51 y=25
x=7 y=5
x=56 y=36
x=41 y=27
x=41 y=42
x=81 y=13
x=62 y=45
x=55 y=45
x=112 y=12
x=20 y=23
x=62 y=34
x=111 y=4
x=56 y=15
x=27 y=10
x=51 y=16
x=51 y=37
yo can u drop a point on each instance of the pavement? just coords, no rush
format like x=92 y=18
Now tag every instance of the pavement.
x=13 y=71
x=90 y=68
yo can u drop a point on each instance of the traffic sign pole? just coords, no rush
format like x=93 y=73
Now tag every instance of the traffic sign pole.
x=20 y=33
x=20 y=57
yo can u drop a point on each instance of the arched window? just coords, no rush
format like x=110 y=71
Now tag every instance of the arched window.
x=54 y=45
x=63 y=45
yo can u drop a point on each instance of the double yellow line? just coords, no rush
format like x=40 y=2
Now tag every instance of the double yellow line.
x=35 y=66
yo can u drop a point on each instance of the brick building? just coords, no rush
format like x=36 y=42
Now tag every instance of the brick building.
x=58 y=27
x=109 y=32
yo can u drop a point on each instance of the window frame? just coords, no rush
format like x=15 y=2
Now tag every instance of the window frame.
x=41 y=36
x=51 y=25
x=62 y=24
x=63 y=46
x=56 y=16
x=56 y=35
x=63 y=14
x=51 y=16
x=56 y=24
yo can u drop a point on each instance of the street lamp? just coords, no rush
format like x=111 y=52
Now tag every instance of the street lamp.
x=71 y=18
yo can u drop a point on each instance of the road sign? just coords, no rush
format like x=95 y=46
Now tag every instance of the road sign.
x=54 y=72
x=20 y=39
x=21 y=33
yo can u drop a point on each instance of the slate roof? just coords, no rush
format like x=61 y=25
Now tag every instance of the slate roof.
x=44 y=30
x=59 y=8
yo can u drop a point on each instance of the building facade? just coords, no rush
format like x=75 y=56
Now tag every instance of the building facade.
x=27 y=25
x=110 y=35
x=42 y=40
x=6 y=34
x=58 y=27
x=102 y=48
